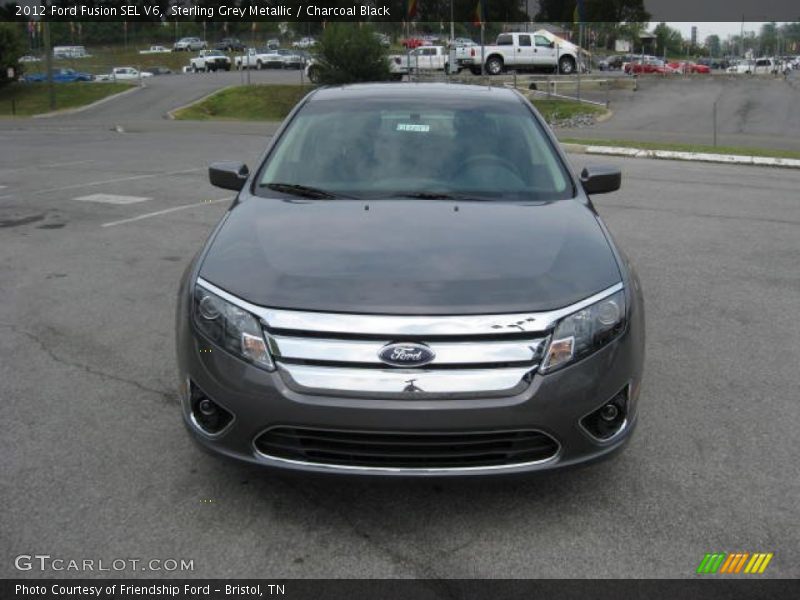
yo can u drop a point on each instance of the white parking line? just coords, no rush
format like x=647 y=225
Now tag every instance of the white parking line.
x=63 y=164
x=106 y=181
x=165 y=211
x=111 y=199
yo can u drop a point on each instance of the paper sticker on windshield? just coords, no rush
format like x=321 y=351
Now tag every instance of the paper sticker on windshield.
x=413 y=127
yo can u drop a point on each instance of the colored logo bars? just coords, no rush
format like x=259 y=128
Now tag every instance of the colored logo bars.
x=734 y=563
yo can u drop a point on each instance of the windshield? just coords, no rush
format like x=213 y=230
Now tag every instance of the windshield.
x=421 y=148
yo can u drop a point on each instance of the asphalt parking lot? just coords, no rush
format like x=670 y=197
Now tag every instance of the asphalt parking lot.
x=96 y=462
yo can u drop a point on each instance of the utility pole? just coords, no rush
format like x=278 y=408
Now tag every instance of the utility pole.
x=48 y=57
x=452 y=24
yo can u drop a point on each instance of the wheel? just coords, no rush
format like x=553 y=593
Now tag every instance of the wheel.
x=313 y=74
x=195 y=69
x=475 y=70
x=494 y=66
x=259 y=65
x=566 y=65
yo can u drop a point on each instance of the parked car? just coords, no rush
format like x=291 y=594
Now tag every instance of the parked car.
x=413 y=42
x=230 y=44
x=210 y=60
x=304 y=43
x=649 y=65
x=155 y=50
x=462 y=41
x=424 y=58
x=60 y=76
x=617 y=62
x=521 y=52
x=189 y=44
x=124 y=74
x=254 y=58
x=289 y=59
x=688 y=67
x=29 y=59
x=753 y=67
x=478 y=319
x=70 y=52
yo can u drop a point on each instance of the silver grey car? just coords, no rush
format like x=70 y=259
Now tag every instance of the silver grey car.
x=412 y=282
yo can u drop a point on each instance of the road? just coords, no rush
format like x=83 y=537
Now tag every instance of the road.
x=96 y=463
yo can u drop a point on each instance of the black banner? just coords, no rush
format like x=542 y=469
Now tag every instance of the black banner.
x=471 y=11
x=740 y=588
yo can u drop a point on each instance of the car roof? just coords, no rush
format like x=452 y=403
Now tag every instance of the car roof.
x=416 y=91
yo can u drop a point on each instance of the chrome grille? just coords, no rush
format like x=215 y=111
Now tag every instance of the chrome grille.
x=338 y=354
x=325 y=362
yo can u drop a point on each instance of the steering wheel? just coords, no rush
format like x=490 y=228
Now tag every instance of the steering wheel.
x=491 y=159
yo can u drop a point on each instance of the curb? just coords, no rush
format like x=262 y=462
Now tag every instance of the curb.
x=80 y=109
x=735 y=159
x=171 y=113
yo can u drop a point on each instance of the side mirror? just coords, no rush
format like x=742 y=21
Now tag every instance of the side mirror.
x=600 y=180
x=228 y=175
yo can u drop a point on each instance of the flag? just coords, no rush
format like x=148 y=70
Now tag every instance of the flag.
x=411 y=9
x=479 y=16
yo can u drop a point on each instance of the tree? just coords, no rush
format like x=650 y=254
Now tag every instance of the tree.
x=713 y=45
x=349 y=53
x=669 y=41
x=768 y=41
x=12 y=46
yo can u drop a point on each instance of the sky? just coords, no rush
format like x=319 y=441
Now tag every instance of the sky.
x=722 y=29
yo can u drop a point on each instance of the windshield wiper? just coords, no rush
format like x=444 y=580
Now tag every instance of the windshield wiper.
x=440 y=196
x=295 y=189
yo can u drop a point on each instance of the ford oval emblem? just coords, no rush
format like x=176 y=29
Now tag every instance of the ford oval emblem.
x=406 y=355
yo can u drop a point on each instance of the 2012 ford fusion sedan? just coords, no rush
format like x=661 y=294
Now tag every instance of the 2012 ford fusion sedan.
x=412 y=282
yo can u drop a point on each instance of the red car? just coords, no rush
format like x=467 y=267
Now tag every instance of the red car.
x=412 y=43
x=648 y=65
x=690 y=67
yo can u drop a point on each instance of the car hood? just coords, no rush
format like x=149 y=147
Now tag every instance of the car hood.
x=410 y=256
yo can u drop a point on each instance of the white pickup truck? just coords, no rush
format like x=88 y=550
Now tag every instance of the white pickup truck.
x=210 y=60
x=521 y=52
x=424 y=58
x=255 y=58
x=156 y=50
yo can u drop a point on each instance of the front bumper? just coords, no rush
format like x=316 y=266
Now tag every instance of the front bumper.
x=553 y=404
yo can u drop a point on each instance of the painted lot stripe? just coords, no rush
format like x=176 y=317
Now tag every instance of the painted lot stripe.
x=111 y=199
x=165 y=211
x=107 y=181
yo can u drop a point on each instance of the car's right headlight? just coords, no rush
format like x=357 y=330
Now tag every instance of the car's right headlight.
x=230 y=327
x=585 y=331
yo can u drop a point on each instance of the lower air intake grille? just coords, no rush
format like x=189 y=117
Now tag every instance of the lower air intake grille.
x=406 y=450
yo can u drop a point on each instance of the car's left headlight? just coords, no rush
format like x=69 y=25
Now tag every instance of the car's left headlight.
x=585 y=331
x=230 y=327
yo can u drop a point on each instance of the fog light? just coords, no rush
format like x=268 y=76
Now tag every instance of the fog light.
x=608 y=420
x=609 y=412
x=206 y=407
x=207 y=415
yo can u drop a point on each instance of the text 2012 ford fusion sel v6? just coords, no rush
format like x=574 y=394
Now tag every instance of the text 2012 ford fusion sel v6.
x=413 y=282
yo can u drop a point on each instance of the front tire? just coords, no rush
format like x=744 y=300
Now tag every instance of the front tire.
x=566 y=65
x=494 y=66
x=259 y=65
